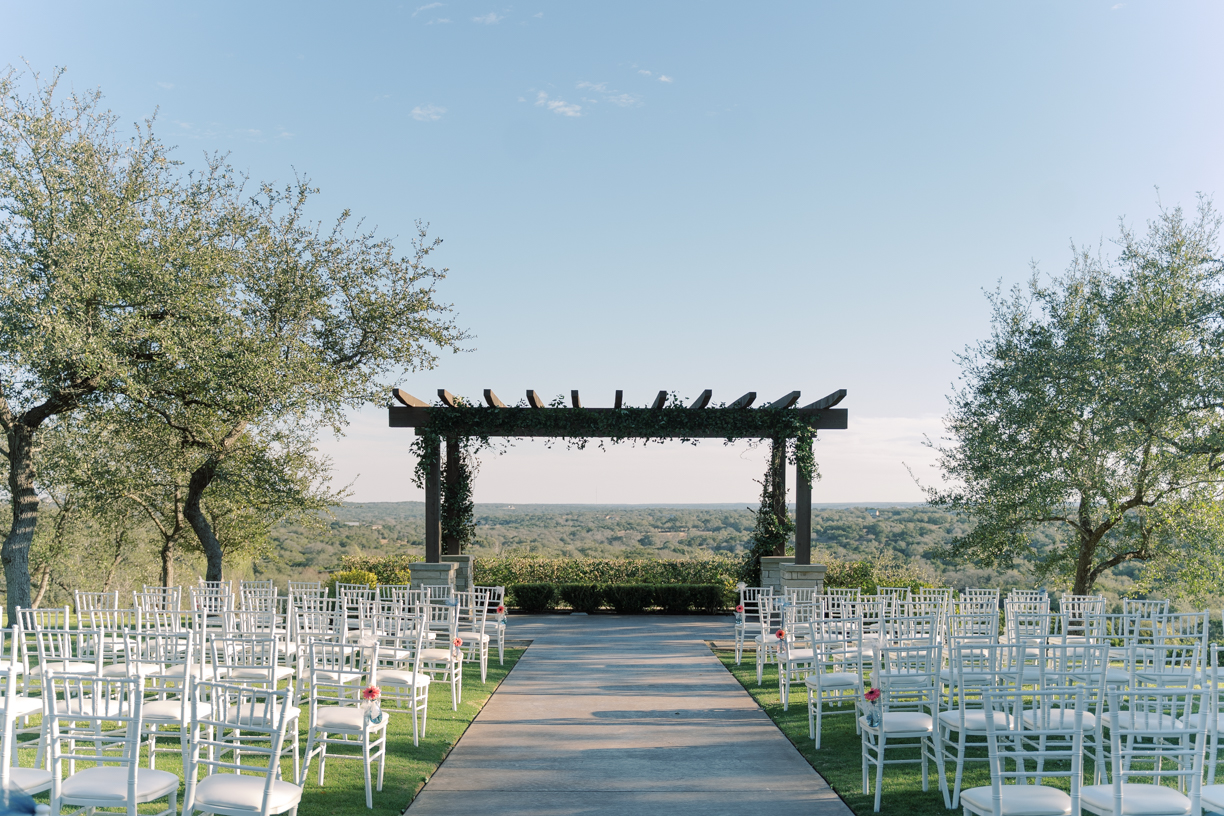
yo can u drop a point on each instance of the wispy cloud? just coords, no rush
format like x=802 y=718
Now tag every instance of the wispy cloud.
x=427 y=113
x=665 y=78
x=625 y=100
x=1117 y=6
x=600 y=87
x=558 y=106
x=427 y=7
x=438 y=20
x=489 y=19
x=644 y=72
x=169 y=86
x=539 y=14
x=612 y=95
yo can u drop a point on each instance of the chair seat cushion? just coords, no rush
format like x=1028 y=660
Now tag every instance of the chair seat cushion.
x=29 y=780
x=975 y=720
x=1115 y=676
x=1144 y=722
x=402 y=677
x=337 y=677
x=436 y=655
x=347 y=719
x=1137 y=800
x=800 y=655
x=20 y=706
x=1213 y=798
x=1062 y=718
x=164 y=711
x=255 y=672
x=141 y=669
x=88 y=707
x=903 y=722
x=1020 y=800
x=832 y=680
x=67 y=667
x=224 y=790
x=7 y=666
x=110 y=783
x=1193 y=721
x=256 y=716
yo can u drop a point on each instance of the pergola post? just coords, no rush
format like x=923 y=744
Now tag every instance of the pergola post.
x=803 y=518
x=433 y=509
x=452 y=483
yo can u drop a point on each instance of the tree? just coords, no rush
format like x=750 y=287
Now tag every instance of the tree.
x=104 y=252
x=311 y=323
x=1097 y=407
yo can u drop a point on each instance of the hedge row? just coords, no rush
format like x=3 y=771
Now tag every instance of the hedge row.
x=626 y=599
x=723 y=570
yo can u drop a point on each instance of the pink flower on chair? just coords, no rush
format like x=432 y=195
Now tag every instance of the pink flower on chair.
x=458 y=642
x=371 y=693
x=781 y=633
x=739 y=608
x=501 y=610
x=872 y=695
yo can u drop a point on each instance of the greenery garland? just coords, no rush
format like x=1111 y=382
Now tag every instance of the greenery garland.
x=476 y=426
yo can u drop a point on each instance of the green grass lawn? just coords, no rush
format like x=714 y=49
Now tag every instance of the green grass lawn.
x=839 y=758
x=408 y=767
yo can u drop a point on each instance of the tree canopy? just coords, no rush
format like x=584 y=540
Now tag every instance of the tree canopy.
x=203 y=334
x=1096 y=408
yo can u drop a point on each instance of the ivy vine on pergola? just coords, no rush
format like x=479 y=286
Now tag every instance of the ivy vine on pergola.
x=453 y=423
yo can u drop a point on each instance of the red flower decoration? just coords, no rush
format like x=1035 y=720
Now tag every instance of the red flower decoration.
x=501 y=609
x=739 y=608
x=872 y=695
x=781 y=633
x=371 y=693
x=458 y=642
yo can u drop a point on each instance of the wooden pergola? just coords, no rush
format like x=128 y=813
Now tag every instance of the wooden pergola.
x=615 y=422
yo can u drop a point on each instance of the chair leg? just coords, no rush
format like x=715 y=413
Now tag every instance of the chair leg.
x=880 y=770
x=365 y=758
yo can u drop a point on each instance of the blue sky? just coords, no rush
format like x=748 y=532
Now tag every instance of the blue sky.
x=684 y=196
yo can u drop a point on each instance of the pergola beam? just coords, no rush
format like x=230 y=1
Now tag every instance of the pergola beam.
x=525 y=422
x=829 y=401
x=533 y=399
x=782 y=404
x=703 y=400
x=492 y=401
x=744 y=401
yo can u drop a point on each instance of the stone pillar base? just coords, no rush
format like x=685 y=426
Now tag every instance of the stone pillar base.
x=463 y=571
x=803 y=576
x=771 y=570
x=424 y=574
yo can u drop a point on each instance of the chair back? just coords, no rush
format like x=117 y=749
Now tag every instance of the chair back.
x=1053 y=742
x=750 y=599
x=908 y=678
x=336 y=669
x=893 y=595
x=1184 y=628
x=158 y=599
x=88 y=601
x=93 y=719
x=230 y=719
x=244 y=659
x=918 y=630
x=976 y=627
x=59 y=647
x=1152 y=736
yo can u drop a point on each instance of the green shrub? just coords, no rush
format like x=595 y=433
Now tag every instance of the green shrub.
x=351 y=576
x=581 y=597
x=515 y=569
x=676 y=599
x=629 y=599
x=709 y=598
x=533 y=597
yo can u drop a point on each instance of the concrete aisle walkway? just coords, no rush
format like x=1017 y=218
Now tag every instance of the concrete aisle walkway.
x=623 y=715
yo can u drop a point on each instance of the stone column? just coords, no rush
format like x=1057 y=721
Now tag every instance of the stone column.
x=425 y=574
x=803 y=576
x=463 y=571
x=771 y=570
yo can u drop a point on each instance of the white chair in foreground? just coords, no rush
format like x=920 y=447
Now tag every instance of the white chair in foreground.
x=446 y=658
x=401 y=641
x=909 y=701
x=837 y=669
x=1144 y=745
x=496 y=601
x=1053 y=745
x=98 y=721
x=337 y=716
x=228 y=720
x=12 y=777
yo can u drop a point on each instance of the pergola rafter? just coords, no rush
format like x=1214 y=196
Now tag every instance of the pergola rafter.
x=453 y=420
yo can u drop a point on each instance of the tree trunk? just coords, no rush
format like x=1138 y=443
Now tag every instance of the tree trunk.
x=777 y=466
x=44 y=581
x=167 y=561
x=16 y=551
x=201 y=478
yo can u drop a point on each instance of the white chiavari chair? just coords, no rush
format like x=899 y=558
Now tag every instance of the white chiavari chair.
x=748 y=615
x=1149 y=738
x=766 y=639
x=251 y=660
x=169 y=662
x=496 y=602
x=401 y=640
x=1052 y=744
x=836 y=675
x=337 y=716
x=97 y=720
x=87 y=602
x=908 y=706
x=158 y=598
x=17 y=706
x=444 y=658
x=233 y=726
x=893 y=595
x=976 y=669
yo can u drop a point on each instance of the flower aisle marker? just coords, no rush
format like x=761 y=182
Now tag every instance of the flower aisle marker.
x=872 y=696
x=739 y=614
x=370 y=702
